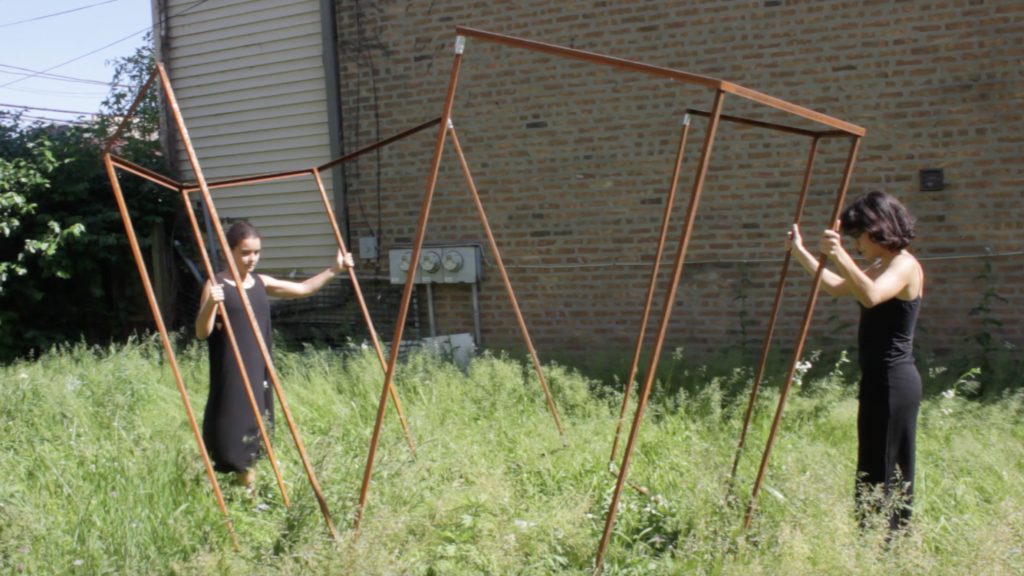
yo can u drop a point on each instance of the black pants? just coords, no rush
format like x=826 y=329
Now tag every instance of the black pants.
x=886 y=430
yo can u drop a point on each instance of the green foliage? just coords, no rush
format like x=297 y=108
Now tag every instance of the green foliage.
x=101 y=475
x=63 y=236
x=23 y=176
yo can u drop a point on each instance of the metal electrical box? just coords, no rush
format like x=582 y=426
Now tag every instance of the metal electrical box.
x=452 y=264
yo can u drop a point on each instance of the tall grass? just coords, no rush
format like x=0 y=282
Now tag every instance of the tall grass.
x=99 y=474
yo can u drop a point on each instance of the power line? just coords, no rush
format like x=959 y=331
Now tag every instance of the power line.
x=58 y=93
x=47 y=109
x=56 y=14
x=61 y=77
x=134 y=34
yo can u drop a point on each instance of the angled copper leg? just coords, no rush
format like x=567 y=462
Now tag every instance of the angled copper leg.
x=403 y=309
x=802 y=338
x=362 y=305
x=651 y=287
x=508 y=283
x=666 y=313
x=223 y=241
x=230 y=332
x=158 y=317
x=759 y=376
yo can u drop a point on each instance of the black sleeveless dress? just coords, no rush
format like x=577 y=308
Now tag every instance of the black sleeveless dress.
x=230 y=431
x=890 y=396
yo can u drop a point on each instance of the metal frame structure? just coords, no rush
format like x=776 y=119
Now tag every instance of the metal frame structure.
x=836 y=128
x=114 y=162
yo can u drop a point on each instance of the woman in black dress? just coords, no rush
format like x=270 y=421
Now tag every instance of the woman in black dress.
x=230 y=431
x=889 y=291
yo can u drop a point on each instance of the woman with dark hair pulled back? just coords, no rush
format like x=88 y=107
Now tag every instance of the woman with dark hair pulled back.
x=230 y=431
x=889 y=292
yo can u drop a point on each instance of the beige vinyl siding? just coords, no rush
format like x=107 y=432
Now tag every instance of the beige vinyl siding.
x=249 y=79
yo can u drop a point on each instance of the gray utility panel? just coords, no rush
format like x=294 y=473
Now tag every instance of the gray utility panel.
x=446 y=264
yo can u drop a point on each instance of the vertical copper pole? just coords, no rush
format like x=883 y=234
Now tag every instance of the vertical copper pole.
x=234 y=347
x=804 y=328
x=362 y=305
x=126 y=217
x=403 y=309
x=508 y=284
x=651 y=288
x=666 y=313
x=183 y=130
x=774 y=315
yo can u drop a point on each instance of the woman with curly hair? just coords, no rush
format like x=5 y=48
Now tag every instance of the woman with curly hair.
x=889 y=292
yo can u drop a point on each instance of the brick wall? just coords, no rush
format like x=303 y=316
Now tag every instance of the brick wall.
x=573 y=160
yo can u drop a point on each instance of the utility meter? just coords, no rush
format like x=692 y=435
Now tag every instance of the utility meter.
x=452 y=261
x=430 y=262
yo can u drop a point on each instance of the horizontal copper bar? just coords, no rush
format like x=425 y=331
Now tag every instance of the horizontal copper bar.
x=145 y=173
x=192 y=187
x=767 y=100
x=380 y=144
x=757 y=123
x=589 y=57
x=834 y=134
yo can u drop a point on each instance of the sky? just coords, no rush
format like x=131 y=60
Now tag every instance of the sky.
x=48 y=42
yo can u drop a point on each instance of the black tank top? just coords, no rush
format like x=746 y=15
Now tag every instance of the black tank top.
x=886 y=334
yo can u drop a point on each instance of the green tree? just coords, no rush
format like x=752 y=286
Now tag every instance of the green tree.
x=72 y=273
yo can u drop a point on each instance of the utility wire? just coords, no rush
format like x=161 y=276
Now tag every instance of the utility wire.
x=128 y=37
x=56 y=14
x=61 y=77
x=48 y=109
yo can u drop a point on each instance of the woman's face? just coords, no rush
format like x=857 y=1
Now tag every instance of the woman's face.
x=246 y=255
x=867 y=247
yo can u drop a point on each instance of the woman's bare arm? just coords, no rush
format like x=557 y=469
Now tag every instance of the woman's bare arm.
x=831 y=282
x=309 y=286
x=213 y=294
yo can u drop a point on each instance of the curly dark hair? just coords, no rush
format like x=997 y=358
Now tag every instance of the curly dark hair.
x=241 y=230
x=882 y=217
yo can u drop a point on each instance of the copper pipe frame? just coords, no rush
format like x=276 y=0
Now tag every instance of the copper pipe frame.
x=363 y=307
x=713 y=83
x=166 y=182
x=230 y=332
x=165 y=339
x=759 y=376
x=802 y=338
x=666 y=314
x=192 y=187
x=403 y=310
x=508 y=283
x=264 y=350
x=669 y=203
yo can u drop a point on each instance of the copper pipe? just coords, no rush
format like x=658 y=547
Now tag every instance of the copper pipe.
x=850 y=129
x=508 y=283
x=223 y=183
x=146 y=173
x=179 y=120
x=158 y=317
x=802 y=338
x=131 y=111
x=589 y=57
x=759 y=376
x=229 y=330
x=713 y=83
x=380 y=144
x=363 y=307
x=269 y=176
x=666 y=313
x=403 y=309
x=651 y=287
x=760 y=124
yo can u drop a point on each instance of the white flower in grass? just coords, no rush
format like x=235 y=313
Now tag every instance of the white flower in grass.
x=951 y=393
x=22 y=375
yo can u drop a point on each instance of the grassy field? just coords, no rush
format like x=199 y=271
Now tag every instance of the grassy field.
x=99 y=474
